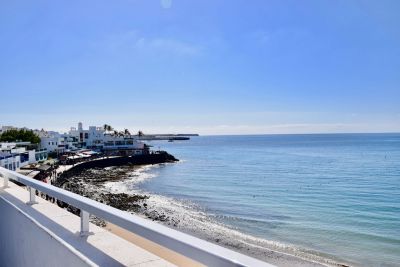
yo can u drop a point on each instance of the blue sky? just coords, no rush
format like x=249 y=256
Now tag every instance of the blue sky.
x=212 y=67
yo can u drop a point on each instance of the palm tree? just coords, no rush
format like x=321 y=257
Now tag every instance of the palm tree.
x=107 y=128
x=115 y=132
x=140 y=133
x=126 y=132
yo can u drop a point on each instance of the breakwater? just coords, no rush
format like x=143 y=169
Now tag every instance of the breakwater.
x=153 y=158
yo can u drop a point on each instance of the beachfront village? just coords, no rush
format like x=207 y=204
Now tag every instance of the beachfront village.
x=45 y=155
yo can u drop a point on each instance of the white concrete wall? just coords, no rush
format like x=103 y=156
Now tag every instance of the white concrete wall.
x=15 y=162
x=95 y=136
x=25 y=243
x=32 y=158
x=49 y=143
x=5 y=145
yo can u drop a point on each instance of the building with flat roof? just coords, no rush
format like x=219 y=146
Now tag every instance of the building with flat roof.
x=99 y=139
x=15 y=155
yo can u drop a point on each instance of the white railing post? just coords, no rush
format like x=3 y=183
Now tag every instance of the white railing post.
x=84 y=223
x=32 y=196
x=5 y=181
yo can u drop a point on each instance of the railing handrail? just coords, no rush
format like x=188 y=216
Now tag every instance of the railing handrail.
x=184 y=244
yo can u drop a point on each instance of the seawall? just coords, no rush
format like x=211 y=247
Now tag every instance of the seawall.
x=156 y=158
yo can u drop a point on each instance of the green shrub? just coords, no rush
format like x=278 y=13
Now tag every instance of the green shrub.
x=21 y=135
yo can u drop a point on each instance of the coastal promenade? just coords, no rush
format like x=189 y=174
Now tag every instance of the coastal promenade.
x=35 y=232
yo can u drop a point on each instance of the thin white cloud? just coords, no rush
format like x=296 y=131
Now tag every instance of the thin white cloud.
x=166 y=4
x=168 y=45
x=264 y=37
x=135 y=41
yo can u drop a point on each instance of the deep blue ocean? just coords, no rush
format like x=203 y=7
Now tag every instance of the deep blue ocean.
x=335 y=194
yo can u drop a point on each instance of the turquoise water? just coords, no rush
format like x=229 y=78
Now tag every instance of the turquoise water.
x=337 y=195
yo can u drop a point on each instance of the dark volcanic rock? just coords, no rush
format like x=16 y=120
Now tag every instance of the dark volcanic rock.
x=156 y=216
x=123 y=201
x=97 y=221
x=90 y=183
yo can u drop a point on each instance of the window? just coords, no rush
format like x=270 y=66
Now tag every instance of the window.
x=109 y=143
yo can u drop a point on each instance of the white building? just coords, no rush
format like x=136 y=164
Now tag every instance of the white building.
x=55 y=142
x=94 y=137
x=51 y=141
x=15 y=155
x=10 y=161
x=98 y=138
x=122 y=143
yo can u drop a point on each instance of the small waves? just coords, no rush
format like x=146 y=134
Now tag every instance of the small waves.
x=194 y=220
x=332 y=196
x=135 y=177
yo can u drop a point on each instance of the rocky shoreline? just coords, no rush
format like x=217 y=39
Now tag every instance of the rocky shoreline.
x=90 y=183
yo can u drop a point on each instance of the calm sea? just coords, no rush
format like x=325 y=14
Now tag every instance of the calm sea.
x=335 y=194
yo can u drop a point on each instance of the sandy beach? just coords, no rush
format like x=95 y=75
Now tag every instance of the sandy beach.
x=152 y=247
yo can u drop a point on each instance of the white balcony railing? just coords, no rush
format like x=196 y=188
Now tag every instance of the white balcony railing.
x=189 y=246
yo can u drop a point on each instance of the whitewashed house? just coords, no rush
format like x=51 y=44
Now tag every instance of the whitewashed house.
x=91 y=138
x=52 y=141
x=98 y=138
x=15 y=155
